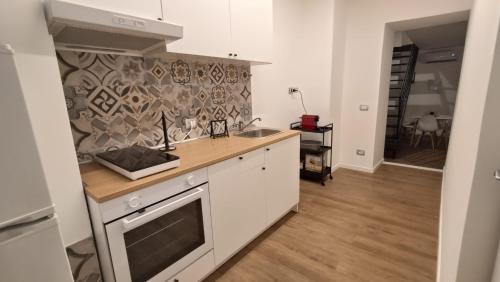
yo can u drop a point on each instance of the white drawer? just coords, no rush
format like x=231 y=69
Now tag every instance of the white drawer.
x=196 y=271
x=131 y=202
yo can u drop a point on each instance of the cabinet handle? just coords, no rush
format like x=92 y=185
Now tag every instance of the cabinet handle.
x=230 y=54
x=240 y=158
x=263 y=168
x=176 y=280
x=267 y=149
x=160 y=19
x=236 y=55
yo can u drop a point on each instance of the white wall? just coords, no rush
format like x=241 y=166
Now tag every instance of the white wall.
x=338 y=61
x=22 y=25
x=302 y=57
x=460 y=169
x=364 y=54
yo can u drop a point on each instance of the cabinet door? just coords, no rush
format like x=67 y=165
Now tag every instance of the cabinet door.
x=150 y=9
x=252 y=29
x=238 y=203
x=206 y=26
x=282 y=177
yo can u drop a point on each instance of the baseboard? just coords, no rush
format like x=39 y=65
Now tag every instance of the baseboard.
x=413 y=166
x=357 y=168
x=335 y=167
x=440 y=236
x=379 y=163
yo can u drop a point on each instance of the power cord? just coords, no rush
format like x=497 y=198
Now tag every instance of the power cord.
x=301 y=100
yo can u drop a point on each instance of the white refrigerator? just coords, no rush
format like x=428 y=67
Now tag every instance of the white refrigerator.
x=31 y=247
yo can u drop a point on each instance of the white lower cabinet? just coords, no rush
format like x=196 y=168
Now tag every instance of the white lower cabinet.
x=238 y=202
x=282 y=177
x=250 y=192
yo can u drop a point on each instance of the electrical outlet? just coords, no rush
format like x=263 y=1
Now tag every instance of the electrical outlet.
x=363 y=108
x=360 y=152
x=191 y=123
x=292 y=90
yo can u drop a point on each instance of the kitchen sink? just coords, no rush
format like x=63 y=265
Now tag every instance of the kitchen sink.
x=258 y=133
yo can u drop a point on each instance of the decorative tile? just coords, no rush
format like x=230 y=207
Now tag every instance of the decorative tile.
x=99 y=69
x=83 y=260
x=218 y=95
x=180 y=72
x=103 y=101
x=234 y=113
x=158 y=71
x=216 y=73
x=245 y=93
x=116 y=101
x=231 y=74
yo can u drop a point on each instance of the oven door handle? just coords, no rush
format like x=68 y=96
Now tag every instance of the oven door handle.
x=150 y=215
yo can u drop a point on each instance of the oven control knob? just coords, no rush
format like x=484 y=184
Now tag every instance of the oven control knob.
x=190 y=180
x=134 y=202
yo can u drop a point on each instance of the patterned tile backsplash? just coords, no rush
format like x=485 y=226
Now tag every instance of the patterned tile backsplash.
x=116 y=101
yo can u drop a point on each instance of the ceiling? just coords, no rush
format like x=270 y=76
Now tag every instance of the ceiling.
x=448 y=35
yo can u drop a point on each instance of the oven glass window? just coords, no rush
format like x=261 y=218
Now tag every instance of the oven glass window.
x=154 y=246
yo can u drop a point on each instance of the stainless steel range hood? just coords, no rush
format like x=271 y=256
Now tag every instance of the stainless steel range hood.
x=78 y=27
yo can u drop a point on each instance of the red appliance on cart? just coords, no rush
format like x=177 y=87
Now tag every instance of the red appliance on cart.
x=309 y=122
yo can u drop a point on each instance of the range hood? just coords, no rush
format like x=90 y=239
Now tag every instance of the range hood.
x=83 y=28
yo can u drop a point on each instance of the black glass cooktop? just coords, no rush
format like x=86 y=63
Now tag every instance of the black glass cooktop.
x=136 y=158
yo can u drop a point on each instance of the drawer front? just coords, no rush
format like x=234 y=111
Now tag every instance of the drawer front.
x=196 y=271
x=252 y=159
x=126 y=204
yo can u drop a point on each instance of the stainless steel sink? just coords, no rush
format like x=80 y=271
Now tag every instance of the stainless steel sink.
x=258 y=133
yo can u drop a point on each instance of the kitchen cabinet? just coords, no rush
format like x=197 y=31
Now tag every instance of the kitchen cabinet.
x=238 y=202
x=250 y=192
x=206 y=26
x=281 y=177
x=252 y=29
x=150 y=9
x=235 y=29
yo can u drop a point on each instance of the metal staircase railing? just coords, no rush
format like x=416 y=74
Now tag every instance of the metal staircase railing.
x=404 y=59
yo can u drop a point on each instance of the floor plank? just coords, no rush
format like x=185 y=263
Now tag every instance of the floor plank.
x=422 y=155
x=359 y=227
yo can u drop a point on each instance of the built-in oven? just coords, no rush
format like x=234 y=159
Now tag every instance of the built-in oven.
x=156 y=242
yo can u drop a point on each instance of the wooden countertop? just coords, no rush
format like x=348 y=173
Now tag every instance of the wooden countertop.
x=103 y=184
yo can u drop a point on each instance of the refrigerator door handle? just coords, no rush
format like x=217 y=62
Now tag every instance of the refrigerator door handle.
x=24 y=224
x=33 y=216
x=15 y=232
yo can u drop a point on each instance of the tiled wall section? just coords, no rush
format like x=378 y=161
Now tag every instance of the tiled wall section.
x=83 y=260
x=115 y=101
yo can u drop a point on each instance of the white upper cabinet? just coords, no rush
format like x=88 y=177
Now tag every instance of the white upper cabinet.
x=149 y=9
x=252 y=29
x=206 y=26
x=234 y=29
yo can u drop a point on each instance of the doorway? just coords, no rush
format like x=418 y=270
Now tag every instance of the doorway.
x=425 y=74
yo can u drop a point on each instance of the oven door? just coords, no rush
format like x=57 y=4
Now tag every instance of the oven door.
x=159 y=241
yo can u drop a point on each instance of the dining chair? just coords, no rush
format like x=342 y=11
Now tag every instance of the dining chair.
x=427 y=125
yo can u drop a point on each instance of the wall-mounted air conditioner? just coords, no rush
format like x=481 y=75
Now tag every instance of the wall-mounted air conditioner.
x=438 y=56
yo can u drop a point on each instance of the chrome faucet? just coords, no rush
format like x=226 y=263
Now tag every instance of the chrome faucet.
x=242 y=125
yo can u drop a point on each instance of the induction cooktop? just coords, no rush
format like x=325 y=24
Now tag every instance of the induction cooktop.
x=137 y=161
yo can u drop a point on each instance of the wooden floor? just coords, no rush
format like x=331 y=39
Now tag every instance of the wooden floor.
x=360 y=227
x=423 y=155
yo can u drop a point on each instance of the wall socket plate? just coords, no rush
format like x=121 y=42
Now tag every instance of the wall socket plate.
x=191 y=123
x=363 y=108
x=360 y=152
x=292 y=90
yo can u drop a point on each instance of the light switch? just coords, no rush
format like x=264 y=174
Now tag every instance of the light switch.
x=363 y=108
